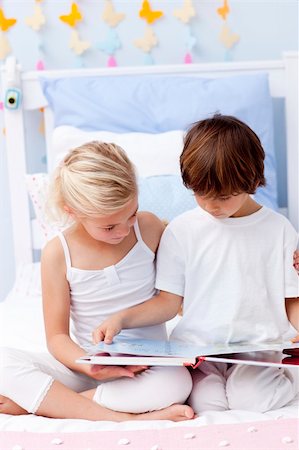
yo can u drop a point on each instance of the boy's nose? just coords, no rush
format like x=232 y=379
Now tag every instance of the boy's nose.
x=211 y=208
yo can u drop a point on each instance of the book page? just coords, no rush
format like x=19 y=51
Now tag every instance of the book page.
x=146 y=347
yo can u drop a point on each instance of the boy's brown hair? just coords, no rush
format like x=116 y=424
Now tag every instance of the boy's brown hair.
x=222 y=156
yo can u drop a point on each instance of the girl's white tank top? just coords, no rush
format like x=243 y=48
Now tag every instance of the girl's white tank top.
x=96 y=294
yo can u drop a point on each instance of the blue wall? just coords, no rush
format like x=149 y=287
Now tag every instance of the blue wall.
x=266 y=29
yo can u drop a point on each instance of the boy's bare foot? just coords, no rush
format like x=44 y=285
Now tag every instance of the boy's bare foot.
x=7 y=406
x=176 y=413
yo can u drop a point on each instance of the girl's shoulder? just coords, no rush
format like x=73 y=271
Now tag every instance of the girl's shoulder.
x=151 y=229
x=53 y=253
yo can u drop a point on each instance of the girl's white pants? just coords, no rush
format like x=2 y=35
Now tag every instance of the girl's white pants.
x=26 y=377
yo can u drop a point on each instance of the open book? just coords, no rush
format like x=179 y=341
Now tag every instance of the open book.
x=175 y=353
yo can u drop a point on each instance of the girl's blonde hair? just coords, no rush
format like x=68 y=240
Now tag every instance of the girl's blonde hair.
x=94 y=179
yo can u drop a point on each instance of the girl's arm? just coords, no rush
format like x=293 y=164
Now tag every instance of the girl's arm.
x=56 y=309
x=159 y=309
x=56 y=305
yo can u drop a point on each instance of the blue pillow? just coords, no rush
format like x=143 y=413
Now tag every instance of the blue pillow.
x=159 y=103
x=165 y=196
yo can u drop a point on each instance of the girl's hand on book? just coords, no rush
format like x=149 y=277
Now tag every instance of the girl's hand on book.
x=99 y=372
x=107 y=330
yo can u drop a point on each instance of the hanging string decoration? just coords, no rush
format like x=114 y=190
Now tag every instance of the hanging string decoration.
x=5 y=25
x=78 y=45
x=227 y=37
x=185 y=14
x=111 y=43
x=37 y=21
x=149 y=39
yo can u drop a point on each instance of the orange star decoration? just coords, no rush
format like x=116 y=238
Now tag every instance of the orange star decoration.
x=5 y=23
x=148 y=14
x=224 y=10
x=73 y=17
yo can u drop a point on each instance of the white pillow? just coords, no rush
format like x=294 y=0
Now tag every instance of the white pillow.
x=37 y=187
x=152 y=154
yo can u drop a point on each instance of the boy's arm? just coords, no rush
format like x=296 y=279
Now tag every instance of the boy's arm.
x=292 y=309
x=296 y=260
x=159 y=309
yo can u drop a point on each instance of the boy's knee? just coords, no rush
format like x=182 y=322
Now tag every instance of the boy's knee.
x=259 y=389
x=208 y=394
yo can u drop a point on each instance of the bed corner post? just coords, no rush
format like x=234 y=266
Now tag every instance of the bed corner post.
x=291 y=66
x=16 y=160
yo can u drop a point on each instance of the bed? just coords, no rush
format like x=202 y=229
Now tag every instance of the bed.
x=147 y=114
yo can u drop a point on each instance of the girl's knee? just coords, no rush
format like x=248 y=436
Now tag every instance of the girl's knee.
x=153 y=389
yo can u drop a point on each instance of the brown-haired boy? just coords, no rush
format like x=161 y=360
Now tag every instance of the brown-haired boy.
x=229 y=262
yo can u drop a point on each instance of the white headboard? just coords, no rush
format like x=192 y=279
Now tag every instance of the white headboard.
x=283 y=77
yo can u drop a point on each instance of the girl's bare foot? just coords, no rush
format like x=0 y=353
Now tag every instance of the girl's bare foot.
x=7 y=406
x=176 y=413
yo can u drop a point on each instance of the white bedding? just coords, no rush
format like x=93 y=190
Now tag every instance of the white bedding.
x=21 y=326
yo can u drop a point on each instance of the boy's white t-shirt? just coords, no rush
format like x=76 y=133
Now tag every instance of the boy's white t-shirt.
x=234 y=275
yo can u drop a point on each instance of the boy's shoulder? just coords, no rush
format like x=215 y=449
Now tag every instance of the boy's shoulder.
x=183 y=220
x=278 y=218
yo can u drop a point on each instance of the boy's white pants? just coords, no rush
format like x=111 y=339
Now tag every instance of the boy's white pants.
x=26 y=377
x=219 y=387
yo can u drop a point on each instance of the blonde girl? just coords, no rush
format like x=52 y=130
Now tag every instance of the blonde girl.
x=102 y=263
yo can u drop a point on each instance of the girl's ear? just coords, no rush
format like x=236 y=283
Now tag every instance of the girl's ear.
x=68 y=210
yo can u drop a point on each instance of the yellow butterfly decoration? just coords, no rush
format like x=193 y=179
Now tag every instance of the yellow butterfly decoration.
x=148 y=41
x=77 y=44
x=223 y=10
x=186 y=12
x=5 y=23
x=148 y=14
x=73 y=17
x=228 y=38
x=110 y=16
x=5 y=48
x=37 y=20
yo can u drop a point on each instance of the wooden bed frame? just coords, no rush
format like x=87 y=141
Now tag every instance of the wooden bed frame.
x=283 y=77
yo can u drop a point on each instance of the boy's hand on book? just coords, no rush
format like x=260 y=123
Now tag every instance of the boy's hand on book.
x=296 y=260
x=295 y=339
x=107 y=330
